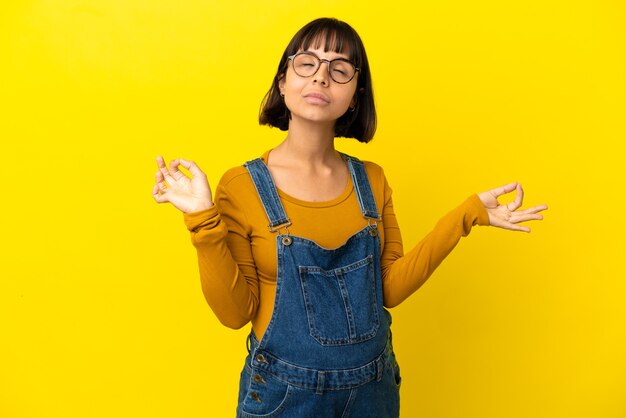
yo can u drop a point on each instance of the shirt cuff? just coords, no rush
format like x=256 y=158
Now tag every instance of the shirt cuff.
x=478 y=211
x=207 y=218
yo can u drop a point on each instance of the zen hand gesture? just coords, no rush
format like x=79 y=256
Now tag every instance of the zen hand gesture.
x=507 y=216
x=186 y=194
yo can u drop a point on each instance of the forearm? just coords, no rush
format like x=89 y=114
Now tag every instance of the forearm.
x=231 y=295
x=409 y=272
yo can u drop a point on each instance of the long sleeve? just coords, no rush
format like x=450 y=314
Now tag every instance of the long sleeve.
x=237 y=252
x=220 y=236
x=404 y=274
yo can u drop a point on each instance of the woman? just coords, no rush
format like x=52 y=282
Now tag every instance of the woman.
x=284 y=246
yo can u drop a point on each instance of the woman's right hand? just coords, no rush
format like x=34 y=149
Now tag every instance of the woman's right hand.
x=186 y=194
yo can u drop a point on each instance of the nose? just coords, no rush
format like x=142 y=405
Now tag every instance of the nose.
x=322 y=75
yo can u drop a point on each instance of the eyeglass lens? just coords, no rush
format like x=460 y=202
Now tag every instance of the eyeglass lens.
x=305 y=65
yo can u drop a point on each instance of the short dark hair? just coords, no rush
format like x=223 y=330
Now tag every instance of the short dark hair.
x=339 y=37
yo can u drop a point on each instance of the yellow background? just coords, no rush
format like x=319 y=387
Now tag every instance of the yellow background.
x=101 y=312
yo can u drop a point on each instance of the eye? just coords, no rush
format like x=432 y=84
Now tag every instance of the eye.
x=341 y=67
x=305 y=61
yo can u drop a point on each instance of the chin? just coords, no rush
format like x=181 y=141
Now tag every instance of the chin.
x=318 y=117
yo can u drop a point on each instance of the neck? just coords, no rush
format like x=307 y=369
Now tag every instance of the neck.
x=308 y=144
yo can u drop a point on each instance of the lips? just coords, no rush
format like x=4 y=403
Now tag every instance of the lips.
x=318 y=98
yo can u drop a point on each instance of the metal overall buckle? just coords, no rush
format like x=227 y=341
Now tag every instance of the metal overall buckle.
x=285 y=239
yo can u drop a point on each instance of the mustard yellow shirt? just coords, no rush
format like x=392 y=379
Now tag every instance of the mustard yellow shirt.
x=237 y=252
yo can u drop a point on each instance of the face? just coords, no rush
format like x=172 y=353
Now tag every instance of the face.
x=318 y=97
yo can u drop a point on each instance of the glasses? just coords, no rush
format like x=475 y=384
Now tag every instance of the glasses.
x=306 y=64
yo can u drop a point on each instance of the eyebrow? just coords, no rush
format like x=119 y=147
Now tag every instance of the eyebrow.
x=338 y=55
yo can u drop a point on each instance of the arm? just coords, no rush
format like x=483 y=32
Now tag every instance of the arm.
x=230 y=287
x=227 y=270
x=404 y=274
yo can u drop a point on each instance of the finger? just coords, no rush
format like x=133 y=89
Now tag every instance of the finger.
x=538 y=208
x=523 y=218
x=519 y=198
x=174 y=171
x=167 y=177
x=534 y=209
x=160 y=162
x=161 y=165
x=507 y=188
x=160 y=181
x=192 y=167
x=160 y=198
x=514 y=227
x=520 y=228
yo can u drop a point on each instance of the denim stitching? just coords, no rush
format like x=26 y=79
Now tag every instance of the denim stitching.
x=361 y=243
x=334 y=379
x=265 y=187
x=273 y=413
x=337 y=274
x=345 y=297
x=362 y=187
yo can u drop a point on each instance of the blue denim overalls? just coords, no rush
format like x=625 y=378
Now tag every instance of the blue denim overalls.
x=327 y=349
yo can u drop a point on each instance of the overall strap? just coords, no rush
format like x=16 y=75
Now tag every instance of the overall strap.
x=362 y=187
x=266 y=189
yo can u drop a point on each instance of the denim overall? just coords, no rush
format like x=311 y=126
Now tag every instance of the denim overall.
x=327 y=349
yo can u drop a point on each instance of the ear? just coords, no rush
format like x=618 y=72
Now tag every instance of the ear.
x=281 y=83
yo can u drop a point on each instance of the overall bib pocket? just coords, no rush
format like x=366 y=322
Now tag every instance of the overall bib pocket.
x=341 y=304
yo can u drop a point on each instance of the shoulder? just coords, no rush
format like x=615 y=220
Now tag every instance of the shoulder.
x=374 y=171
x=235 y=193
x=372 y=168
x=234 y=176
x=238 y=176
x=235 y=182
x=376 y=177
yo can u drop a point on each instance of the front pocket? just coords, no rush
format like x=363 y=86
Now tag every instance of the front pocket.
x=341 y=304
x=397 y=377
x=266 y=396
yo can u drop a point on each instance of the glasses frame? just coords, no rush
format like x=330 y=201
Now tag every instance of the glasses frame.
x=320 y=61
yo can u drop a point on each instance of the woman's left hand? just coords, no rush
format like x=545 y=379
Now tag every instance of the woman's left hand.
x=507 y=216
